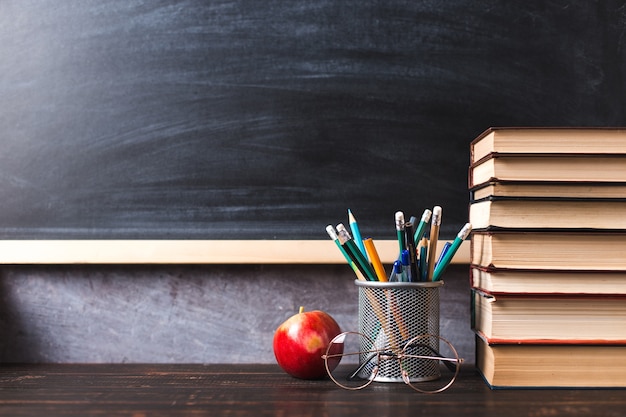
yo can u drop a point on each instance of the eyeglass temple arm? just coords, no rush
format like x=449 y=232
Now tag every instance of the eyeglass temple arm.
x=367 y=360
x=448 y=364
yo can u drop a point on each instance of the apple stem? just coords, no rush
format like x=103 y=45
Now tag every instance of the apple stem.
x=301 y=310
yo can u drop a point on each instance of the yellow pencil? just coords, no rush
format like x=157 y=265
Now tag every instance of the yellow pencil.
x=372 y=254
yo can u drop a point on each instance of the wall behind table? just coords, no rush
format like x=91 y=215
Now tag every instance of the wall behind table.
x=262 y=120
x=182 y=314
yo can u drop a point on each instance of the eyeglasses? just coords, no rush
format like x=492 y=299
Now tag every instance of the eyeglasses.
x=427 y=363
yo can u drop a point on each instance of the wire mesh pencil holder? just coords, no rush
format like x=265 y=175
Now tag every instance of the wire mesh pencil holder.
x=392 y=313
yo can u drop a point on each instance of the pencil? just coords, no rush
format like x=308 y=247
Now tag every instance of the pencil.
x=333 y=235
x=432 y=245
x=447 y=257
x=375 y=259
x=400 y=231
x=421 y=227
x=346 y=241
x=356 y=233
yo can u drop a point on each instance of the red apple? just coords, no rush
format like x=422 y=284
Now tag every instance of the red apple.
x=300 y=342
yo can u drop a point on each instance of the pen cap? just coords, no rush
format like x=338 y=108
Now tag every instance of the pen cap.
x=405 y=258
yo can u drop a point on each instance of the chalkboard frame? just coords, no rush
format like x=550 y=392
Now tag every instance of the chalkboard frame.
x=190 y=252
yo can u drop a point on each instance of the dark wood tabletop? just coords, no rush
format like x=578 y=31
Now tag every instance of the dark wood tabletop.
x=264 y=390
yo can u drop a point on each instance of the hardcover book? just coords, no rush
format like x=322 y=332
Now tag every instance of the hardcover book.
x=554 y=318
x=543 y=189
x=549 y=250
x=548 y=213
x=549 y=282
x=551 y=366
x=548 y=140
x=587 y=168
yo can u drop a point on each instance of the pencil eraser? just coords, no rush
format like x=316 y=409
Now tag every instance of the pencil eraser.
x=437 y=215
x=399 y=220
x=426 y=215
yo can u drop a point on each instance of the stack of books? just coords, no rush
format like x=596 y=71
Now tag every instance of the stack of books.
x=548 y=256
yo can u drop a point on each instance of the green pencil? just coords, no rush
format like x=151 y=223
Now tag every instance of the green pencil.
x=400 y=231
x=421 y=227
x=353 y=251
x=447 y=257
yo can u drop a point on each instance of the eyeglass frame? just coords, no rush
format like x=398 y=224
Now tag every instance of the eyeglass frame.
x=376 y=353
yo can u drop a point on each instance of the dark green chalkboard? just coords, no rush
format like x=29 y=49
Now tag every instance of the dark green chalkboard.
x=253 y=119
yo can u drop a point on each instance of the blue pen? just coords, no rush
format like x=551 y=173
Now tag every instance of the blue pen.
x=422 y=249
x=443 y=264
x=423 y=263
x=446 y=247
x=405 y=260
x=396 y=273
x=413 y=275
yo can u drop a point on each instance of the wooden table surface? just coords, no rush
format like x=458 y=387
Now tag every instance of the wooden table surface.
x=264 y=390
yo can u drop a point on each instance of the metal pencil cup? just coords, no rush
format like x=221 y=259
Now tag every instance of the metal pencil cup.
x=390 y=314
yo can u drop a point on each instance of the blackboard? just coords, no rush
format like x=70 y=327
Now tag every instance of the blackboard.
x=247 y=119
